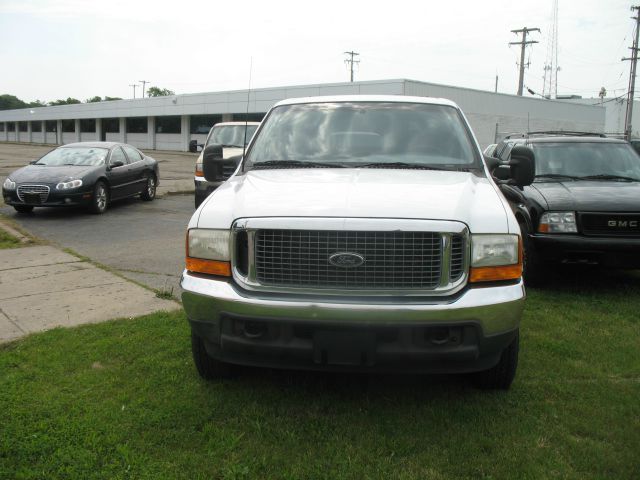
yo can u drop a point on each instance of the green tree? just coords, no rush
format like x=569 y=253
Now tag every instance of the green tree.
x=68 y=101
x=95 y=99
x=38 y=103
x=11 y=102
x=109 y=99
x=159 y=92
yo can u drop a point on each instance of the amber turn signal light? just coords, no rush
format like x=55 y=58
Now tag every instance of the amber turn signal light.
x=211 y=267
x=495 y=274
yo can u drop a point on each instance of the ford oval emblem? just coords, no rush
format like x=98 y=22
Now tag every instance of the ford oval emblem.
x=346 y=259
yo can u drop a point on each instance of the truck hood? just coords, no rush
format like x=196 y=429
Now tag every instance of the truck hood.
x=357 y=193
x=590 y=196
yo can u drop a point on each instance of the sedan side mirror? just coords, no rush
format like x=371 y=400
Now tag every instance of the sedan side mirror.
x=523 y=166
x=116 y=164
x=212 y=163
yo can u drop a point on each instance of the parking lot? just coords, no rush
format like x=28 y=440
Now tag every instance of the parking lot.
x=141 y=241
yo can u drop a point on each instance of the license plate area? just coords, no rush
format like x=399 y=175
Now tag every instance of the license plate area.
x=344 y=347
x=31 y=198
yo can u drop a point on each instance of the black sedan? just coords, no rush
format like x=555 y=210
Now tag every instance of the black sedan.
x=90 y=174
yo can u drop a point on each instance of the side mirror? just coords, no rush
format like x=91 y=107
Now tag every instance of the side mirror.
x=212 y=163
x=116 y=164
x=523 y=166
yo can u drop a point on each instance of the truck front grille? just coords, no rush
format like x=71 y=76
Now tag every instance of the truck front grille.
x=384 y=260
x=228 y=169
x=612 y=224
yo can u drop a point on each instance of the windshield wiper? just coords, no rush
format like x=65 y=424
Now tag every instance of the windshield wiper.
x=558 y=175
x=605 y=176
x=295 y=163
x=410 y=165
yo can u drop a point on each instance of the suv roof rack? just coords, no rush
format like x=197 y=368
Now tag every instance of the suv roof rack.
x=559 y=133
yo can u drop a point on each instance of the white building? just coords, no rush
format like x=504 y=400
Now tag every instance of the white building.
x=169 y=123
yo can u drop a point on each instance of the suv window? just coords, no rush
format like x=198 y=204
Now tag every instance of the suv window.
x=117 y=155
x=365 y=132
x=231 y=135
x=133 y=154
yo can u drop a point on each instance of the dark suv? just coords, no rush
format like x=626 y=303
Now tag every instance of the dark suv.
x=584 y=205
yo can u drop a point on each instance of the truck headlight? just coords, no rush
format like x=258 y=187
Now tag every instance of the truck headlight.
x=9 y=184
x=495 y=257
x=558 y=222
x=208 y=251
x=68 y=185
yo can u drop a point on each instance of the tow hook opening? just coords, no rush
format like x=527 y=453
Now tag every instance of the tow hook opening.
x=254 y=330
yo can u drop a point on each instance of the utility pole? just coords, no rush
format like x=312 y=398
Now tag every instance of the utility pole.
x=523 y=44
x=134 y=89
x=351 y=61
x=632 y=78
x=144 y=82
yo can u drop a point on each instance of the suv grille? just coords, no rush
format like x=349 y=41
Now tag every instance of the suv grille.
x=456 y=267
x=615 y=224
x=33 y=192
x=300 y=258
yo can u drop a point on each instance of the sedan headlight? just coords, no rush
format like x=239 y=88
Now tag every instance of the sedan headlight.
x=558 y=222
x=68 y=185
x=9 y=184
x=495 y=257
x=208 y=251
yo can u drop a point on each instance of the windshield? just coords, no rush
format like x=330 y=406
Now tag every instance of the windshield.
x=586 y=159
x=352 y=133
x=231 y=135
x=74 y=156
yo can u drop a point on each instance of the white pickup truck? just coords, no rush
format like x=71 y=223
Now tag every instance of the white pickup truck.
x=359 y=233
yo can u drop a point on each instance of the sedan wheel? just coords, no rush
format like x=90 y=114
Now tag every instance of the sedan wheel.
x=149 y=193
x=100 y=198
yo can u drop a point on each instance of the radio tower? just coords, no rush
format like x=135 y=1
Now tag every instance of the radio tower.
x=550 y=79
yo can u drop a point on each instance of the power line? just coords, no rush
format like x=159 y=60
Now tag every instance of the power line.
x=523 y=43
x=632 y=78
x=351 y=61
x=134 y=89
x=144 y=82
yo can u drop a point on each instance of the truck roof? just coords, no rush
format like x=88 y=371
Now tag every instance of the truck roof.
x=368 y=98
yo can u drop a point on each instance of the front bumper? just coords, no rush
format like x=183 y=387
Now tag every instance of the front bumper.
x=461 y=334
x=55 y=198
x=615 y=252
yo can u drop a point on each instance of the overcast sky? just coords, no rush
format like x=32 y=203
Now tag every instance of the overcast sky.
x=81 y=48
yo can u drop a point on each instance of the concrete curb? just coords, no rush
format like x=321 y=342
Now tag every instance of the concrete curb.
x=14 y=233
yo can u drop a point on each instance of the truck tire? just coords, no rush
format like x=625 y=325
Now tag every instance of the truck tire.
x=208 y=368
x=501 y=376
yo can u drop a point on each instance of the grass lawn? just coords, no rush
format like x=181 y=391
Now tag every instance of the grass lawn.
x=8 y=241
x=122 y=400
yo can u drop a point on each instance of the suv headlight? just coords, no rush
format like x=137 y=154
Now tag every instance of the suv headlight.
x=68 y=185
x=495 y=257
x=208 y=251
x=9 y=184
x=558 y=222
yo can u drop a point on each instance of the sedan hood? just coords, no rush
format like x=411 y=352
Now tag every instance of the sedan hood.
x=48 y=174
x=357 y=193
x=590 y=196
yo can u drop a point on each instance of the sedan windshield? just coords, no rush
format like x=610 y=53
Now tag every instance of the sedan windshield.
x=231 y=135
x=74 y=156
x=353 y=134
x=586 y=160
